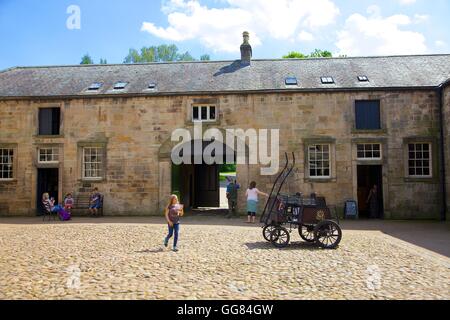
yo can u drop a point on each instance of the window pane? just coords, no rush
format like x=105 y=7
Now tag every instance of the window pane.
x=212 y=113
x=195 y=113
x=204 y=113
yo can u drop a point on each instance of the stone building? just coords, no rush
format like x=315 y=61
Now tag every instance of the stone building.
x=351 y=123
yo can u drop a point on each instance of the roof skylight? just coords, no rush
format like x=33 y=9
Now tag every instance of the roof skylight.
x=151 y=86
x=363 y=78
x=291 y=81
x=327 y=80
x=95 y=86
x=120 y=85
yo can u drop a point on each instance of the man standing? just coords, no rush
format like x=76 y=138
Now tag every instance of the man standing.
x=232 y=189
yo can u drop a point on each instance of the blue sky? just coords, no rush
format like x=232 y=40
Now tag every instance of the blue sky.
x=35 y=32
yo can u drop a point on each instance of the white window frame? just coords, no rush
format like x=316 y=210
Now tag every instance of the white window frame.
x=100 y=152
x=372 y=151
x=208 y=113
x=54 y=156
x=322 y=161
x=10 y=163
x=430 y=159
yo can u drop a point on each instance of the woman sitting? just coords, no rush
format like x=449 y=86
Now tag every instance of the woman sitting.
x=49 y=204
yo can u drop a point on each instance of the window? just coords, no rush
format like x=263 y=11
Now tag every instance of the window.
x=92 y=162
x=369 y=151
x=363 y=79
x=204 y=113
x=6 y=163
x=419 y=160
x=319 y=160
x=95 y=86
x=48 y=155
x=367 y=115
x=327 y=80
x=151 y=86
x=291 y=81
x=120 y=85
x=49 y=121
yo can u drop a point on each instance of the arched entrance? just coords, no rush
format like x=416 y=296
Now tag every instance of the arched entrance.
x=198 y=183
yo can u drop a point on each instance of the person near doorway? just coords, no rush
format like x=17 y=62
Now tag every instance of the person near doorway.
x=232 y=193
x=252 y=201
x=50 y=206
x=173 y=212
x=372 y=201
x=95 y=202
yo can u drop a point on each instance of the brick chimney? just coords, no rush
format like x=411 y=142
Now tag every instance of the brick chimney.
x=246 y=50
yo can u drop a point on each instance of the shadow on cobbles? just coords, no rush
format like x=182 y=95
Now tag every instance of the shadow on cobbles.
x=299 y=245
x=153 y=250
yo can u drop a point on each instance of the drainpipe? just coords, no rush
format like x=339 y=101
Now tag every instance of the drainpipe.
x=442 y=149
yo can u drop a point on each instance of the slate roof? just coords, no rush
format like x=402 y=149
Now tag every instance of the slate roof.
x=396 y=72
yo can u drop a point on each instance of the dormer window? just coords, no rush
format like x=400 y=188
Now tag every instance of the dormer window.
x=203 y=113
x=151 y=86
x=327 y=80
x=120 y=85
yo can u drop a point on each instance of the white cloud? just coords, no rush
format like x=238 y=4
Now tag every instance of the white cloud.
x=377 y=35
x=305 y=36
x=221 y=29
x=440 y=44
x=420 y=18
x=407 y=2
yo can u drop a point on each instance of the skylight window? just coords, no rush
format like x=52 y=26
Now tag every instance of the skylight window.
x=95 y=86
x=120 y=85
x=151 y=86
x=291 y=81
x=363 y=78
x=327 y=80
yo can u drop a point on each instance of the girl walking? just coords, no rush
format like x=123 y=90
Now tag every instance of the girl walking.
x=173 y=212
x=252 y=201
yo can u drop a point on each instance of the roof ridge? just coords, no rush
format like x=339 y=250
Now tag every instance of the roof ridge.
x=223 y=61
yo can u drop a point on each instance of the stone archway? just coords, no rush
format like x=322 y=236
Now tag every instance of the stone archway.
x=165 y=167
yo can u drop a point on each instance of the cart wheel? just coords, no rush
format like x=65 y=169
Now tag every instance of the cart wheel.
x=279 y=237
x=267 y=230
x=306 y=232
x=327 y=234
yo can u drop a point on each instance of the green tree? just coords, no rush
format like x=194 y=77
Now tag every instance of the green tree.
x=205 y=57
x=161 y=53
x=103 y=61
x=315 y=54
x=86 y=59
x=167 y=52
x=321 y=54
x=185 y=57
x=294 y=55
x=132 y=57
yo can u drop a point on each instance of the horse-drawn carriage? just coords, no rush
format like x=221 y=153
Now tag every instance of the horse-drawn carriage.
x=310 y=215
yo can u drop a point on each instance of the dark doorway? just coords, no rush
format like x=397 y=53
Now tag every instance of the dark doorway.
x=368 y=176
x=47 y=182
x=207 y=189
x=198 y=185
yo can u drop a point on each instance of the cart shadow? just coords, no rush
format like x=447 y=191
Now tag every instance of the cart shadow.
x=298 y=245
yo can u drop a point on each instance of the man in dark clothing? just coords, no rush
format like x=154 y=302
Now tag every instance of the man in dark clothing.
x=232 y=189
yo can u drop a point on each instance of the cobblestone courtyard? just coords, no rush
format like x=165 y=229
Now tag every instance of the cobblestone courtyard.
x=122 y=258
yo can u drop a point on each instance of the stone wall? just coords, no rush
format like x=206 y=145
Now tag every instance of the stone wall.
x=446 y=121
x=135 y=129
